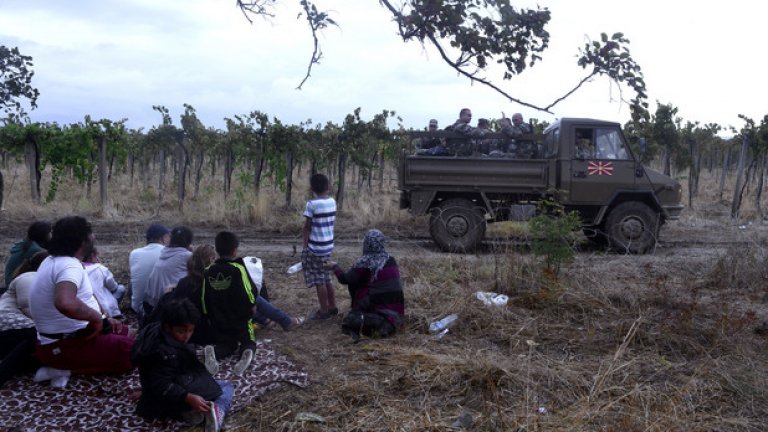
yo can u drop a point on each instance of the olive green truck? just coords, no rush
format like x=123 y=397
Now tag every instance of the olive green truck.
x=585 y=164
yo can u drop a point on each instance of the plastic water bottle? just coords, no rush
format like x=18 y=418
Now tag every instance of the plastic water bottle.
x=294 y=268
x=443 y=324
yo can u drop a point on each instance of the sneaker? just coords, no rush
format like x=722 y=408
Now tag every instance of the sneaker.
x=214 y=418
x=192 y=418
x=245 y=360
x=60 y=381
x=210 y=360
x=333 y=311
x=295 y=323
x=45 y=373
x=320 y=315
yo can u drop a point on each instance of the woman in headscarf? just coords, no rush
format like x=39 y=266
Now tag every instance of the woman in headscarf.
x=374 y=280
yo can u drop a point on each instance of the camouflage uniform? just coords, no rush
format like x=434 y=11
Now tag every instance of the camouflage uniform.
x=429 y=142
x=521 y=149
x=462 y=146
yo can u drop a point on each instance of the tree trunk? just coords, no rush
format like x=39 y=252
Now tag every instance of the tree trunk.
x=313 y=167
x=102 y=141
x=258 y=170
x=726 y=163
x=698 y=174
x=342 y=181
x=199 y=170
x=289 y=161
x=161 y=179
x=381 y=171
x=359 y=175
x=736 y=203
x=691 y=172
x=2 y=190
x=89 y=180
x=228 y=168
x=667 y=160
x=759 y=190
x=181 y=186
x=30 y=154
x=131 y=166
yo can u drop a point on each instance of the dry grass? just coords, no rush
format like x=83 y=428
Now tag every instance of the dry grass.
x=668 y=342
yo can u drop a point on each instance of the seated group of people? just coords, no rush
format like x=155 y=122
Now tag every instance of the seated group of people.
x=473 y=143
x=61 y=312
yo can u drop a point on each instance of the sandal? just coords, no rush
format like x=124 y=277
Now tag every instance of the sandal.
x=295 y=323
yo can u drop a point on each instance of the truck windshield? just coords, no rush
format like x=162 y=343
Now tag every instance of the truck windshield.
x=609 y=145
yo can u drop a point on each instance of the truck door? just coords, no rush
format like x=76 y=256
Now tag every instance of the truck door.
x=600 y=165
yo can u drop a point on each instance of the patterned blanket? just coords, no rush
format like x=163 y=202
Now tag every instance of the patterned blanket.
x=103 y=402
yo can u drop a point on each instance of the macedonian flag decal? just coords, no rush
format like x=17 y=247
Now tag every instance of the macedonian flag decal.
x=600 y=168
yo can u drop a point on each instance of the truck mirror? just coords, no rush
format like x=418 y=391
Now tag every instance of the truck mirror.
x=643 y=146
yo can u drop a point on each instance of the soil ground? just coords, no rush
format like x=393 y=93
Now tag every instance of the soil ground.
x=689 y=249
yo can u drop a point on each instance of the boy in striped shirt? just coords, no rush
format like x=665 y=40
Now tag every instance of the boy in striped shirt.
x=320 y=214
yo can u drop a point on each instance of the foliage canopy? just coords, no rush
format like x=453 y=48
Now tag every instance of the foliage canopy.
x=16 y=83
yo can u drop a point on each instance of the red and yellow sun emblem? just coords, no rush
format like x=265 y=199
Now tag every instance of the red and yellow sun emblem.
x=600 y=168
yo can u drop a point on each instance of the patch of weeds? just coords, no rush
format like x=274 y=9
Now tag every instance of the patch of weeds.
x=554 y=235
x=740 y=268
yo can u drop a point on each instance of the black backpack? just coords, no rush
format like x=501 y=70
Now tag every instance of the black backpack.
x=372 y=324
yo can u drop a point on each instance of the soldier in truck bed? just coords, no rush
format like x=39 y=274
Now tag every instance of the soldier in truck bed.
x=432 y=146
x=464 y=147
x=516 y=129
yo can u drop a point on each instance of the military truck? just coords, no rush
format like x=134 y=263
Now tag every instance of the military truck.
x=585 y=164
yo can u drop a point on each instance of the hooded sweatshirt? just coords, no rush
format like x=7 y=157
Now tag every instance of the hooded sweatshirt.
x=170 y=267
x=17 y=256
x=168 y=370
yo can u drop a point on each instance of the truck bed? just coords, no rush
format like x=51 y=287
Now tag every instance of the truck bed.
x=486 y=174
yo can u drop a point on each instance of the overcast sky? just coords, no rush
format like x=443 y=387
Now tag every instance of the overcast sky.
x=115 y=59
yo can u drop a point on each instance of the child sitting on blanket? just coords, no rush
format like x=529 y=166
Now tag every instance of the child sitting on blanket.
x=174 y=383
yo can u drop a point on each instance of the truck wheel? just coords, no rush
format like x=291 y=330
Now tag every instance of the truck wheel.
x=632 y=227
x=457 y=226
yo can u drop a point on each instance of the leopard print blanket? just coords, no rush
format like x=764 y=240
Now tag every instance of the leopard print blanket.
x=103 y=402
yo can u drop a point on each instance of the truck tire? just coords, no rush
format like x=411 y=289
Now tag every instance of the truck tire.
x=632 y=227
x=457 y=226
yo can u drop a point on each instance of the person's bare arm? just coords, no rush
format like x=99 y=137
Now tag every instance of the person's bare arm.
x=307 y=229
x=66 y=301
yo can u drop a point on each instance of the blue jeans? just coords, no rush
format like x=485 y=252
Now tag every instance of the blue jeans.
x=225 y=400
x=267 y=311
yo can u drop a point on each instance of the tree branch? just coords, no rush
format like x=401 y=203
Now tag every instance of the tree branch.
x=472 y=77
x=255 y=7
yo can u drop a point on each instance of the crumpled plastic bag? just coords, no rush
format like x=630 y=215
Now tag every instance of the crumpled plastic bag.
x=492 y=298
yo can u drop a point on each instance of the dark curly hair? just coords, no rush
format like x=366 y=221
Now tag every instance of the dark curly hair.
x=180 y=311
x=40 y=233
x=181 y=236
x=69 y=233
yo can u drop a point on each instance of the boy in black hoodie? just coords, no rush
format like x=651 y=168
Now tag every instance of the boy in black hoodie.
x=173 y=381
x=229 y=303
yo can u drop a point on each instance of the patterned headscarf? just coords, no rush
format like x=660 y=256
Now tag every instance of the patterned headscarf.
x=374 y=254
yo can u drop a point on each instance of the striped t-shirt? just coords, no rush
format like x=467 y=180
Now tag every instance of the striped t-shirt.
x=322 y=211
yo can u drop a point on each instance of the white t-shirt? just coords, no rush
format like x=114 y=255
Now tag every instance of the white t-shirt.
x=53 y=270
x=141 y=261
